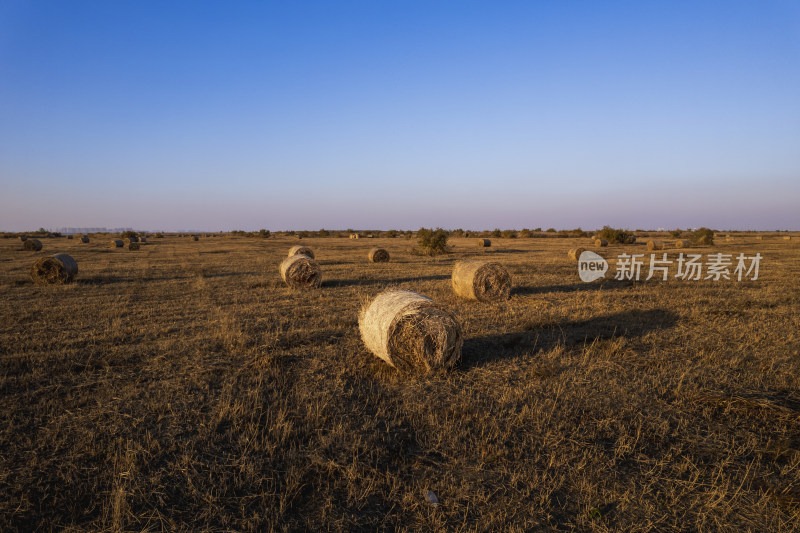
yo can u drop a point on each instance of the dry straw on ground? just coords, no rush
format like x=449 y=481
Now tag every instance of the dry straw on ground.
x=85 y=239
x=600 y=242
x=378 y=255
x=58 y=268
x=484 y=281
x=133 y=246
x=117 y=243
x=655 y=245
x=575 y=253
x=411 y=332
x=32 y=245
x=484 y=243
x=301 y=250
x=301 y=272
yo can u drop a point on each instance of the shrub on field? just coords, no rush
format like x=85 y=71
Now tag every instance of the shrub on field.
x=614 y=235
x=702 y=236
x=432 y=242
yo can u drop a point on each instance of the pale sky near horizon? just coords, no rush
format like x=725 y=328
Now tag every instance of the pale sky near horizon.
x=399 y=114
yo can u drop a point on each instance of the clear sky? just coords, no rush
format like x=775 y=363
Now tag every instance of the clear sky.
x=399 y=114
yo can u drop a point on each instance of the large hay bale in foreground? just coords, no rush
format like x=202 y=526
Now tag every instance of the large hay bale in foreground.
x=484 y=243
x=117 y=243
x=378 y=255
x=655 y=245
x=411 y=332
x=85 y=239
x=59 y=268
x=484 y=281
x=133 y=246
x=600 y=242
x=32 y=245
x=301 y=272
x=575 y=253
x=301 y=250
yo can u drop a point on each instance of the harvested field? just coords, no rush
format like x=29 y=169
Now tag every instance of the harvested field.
x=186 y=387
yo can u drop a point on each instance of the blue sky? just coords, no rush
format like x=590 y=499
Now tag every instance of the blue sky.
x=399 y=114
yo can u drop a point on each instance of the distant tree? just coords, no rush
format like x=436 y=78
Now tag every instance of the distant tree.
x=497 y=233
x=264 y=233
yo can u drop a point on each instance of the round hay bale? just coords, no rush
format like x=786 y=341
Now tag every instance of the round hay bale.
x=484 y=243
x=411 y=332
x=142 y=239
x=683 y=243
x=301 y=272
x=378 y=255
x=575 y=253
x=301 y=250
x=32 y=245
x=787 y=237
x=133 y=246
x=600 y=242
x=133 y=239
x=56 y=269
x=194 y=238
x=69 y=236
x=630 y=239
x=85 y=239
x=23 y=238
x=481 y=280
x=655 y=245
x=117 y=243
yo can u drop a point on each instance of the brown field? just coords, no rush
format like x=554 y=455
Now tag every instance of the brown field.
x=184 y=387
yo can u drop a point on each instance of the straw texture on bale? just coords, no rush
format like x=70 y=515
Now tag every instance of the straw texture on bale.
x=117 y=243
x=481 y=280
x=301 y=272
x=133 y=246
x=682 y=243
x=484 y=243
x=575 y=253
x=301 y=250
x=59 y=268
x=378 y=255
x=600 y=242
x=84 y=239
x=32 y=245
x=655 y=245
x=411 y=332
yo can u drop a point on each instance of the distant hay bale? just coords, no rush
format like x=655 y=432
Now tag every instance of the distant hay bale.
x=56 y=269
x=729 y=238
x=575 y=253
x=378 y=255
x=32 y=245
x=195 y=238
x=787 y=237
x=411 y=332
x=142 y=239
x=484 y=243
x=481 y=280
x=600 y=242
x=117 y=243
x=655 y=245
x=133 y=246
x=85 y=239
x=69 y=236
x=630 y=239
x=355 y=236
x=683 y=243
x=301 y=250
x=301 y=272
x=23 y=238
x=133 y=239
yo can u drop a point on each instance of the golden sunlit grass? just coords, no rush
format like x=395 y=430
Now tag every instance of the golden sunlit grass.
x=185 y=387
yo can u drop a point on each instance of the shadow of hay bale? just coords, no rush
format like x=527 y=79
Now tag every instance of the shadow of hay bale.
x=481 y=350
